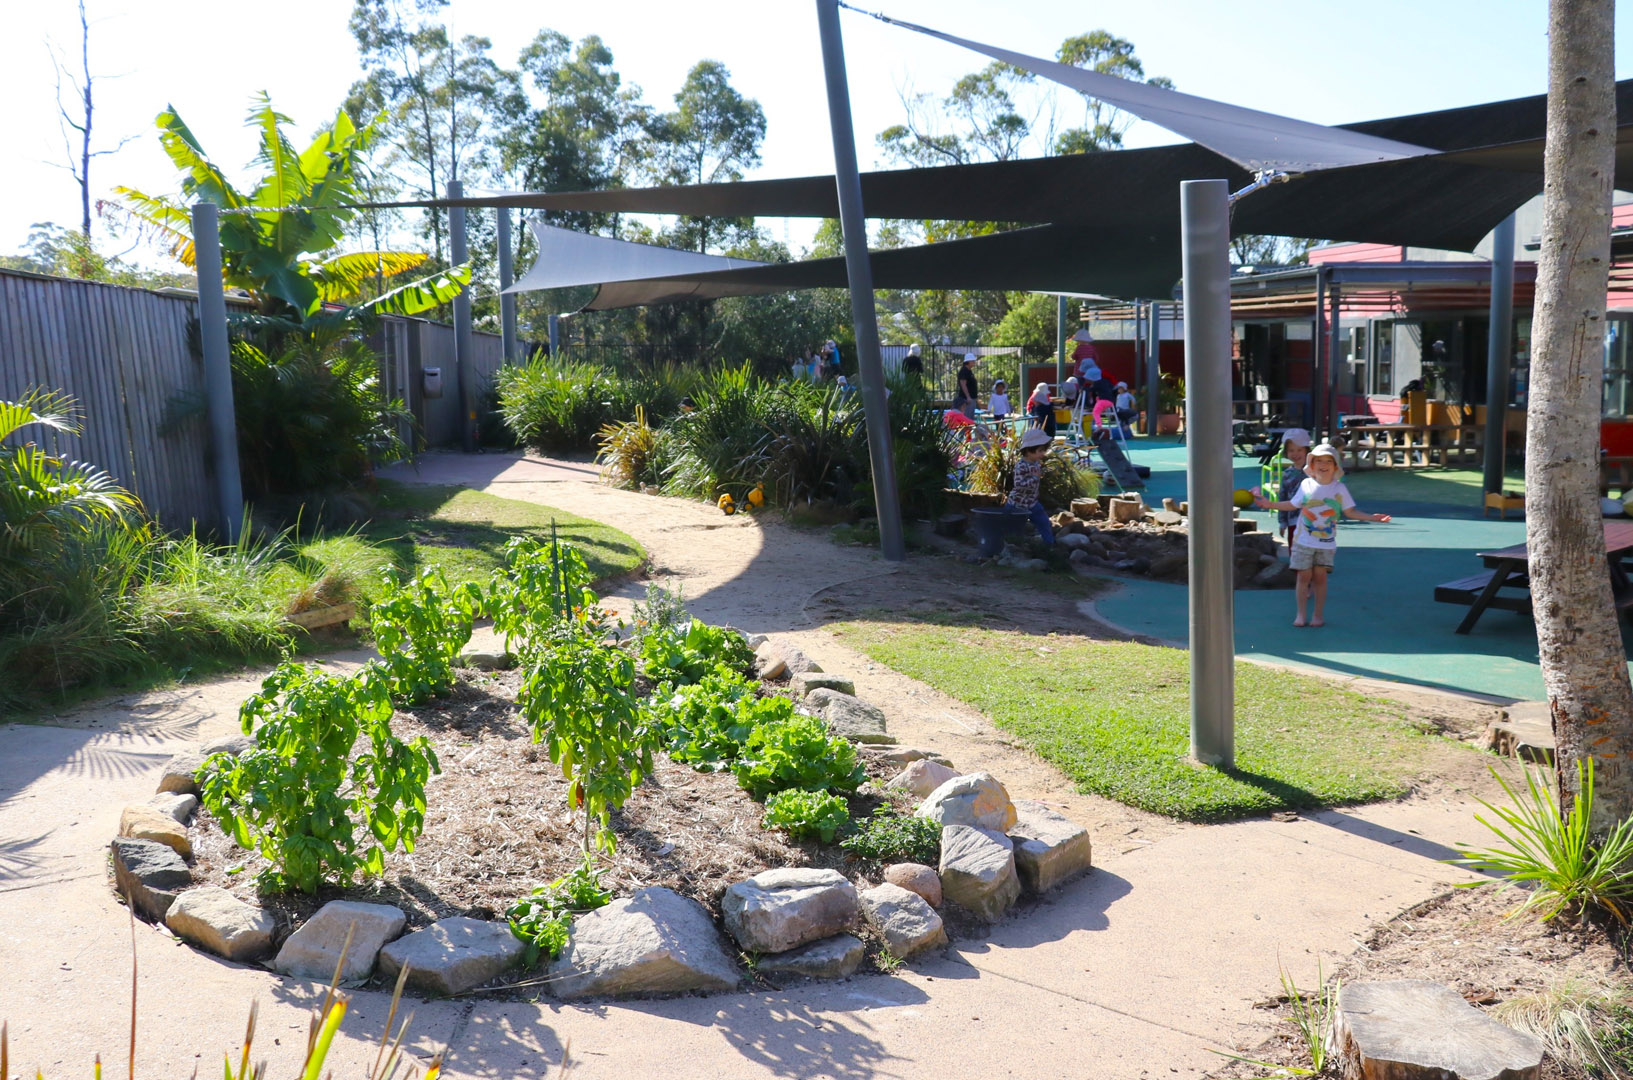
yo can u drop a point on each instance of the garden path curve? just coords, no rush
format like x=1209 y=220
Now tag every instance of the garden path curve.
x=1144 y=966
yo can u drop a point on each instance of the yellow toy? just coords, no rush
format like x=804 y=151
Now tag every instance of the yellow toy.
x=1242 y=497
x=756 y=498
x=727 y=505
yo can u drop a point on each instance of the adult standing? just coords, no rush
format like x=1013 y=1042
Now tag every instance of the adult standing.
x=913 y=362
x=1086 y=359
x=969 y=391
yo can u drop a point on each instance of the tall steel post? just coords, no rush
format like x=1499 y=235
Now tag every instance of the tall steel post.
x=1334 y=298
x=1205 y=227
x=555 y=334
x=212 y=333
x=1153 y=370
x=464 y=368
x=1060 y=341
x=507 y=278
x=853 y=224
x=1499 y=353
x=1315 y=350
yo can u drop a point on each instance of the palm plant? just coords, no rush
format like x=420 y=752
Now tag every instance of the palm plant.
x=276 y=239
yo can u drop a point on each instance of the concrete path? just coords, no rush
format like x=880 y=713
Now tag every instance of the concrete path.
x=1142 y=968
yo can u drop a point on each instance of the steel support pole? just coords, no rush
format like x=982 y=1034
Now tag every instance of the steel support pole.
x=1499 y=353
x=555 y=334
x=1153 y=370
x=1060 y=342
x=507 y=278
x=212 y=333
x=853 y=224
x=1205 y=227
x=463 y=344
x=1315 y=350
x=1334 y=298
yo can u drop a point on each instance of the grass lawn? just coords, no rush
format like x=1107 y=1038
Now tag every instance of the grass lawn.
x=1115 y=717
x=463 y=533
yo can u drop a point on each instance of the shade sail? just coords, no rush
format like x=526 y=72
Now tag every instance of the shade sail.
x=569 y=258
x=1257 y=141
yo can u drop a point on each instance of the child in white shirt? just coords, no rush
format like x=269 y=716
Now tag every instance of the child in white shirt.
x=1319 y=500
x=998 y=403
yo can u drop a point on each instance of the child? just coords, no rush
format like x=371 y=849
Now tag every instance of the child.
x=1023 y=493
x=998 y=403
x=1041 y=409
x=1320 y=498
x=1295 y=447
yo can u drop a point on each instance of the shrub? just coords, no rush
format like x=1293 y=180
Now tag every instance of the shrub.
x=300 y=795
x=420 y=627
x=797 y=752
x=684 y=655
x=807 y=815
x=579 y=699
x=1555 y=853
x=559 y=403
x=539 y=587
x=815 y=444
x=889 y=836
x=543 y=918
x=720 y=445
x=628 y=452
x=661 y=610
x=1586 y=1023
x=994 y=474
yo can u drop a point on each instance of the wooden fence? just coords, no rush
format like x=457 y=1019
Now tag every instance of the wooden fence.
x=126 y=355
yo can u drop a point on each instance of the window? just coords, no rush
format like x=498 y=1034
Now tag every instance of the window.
x=1618 y=393
x=1383 y=358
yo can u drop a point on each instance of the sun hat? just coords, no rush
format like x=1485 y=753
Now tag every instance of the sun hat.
x=1122 y=385
x=1297 y=436
x=969 y=358
x=1083 y=335
x=1327 y=449
x=1035 y=437
x=912 y=350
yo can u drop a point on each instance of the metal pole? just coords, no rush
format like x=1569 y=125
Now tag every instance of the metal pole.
x=1153 y=369
x=1499 y=352
x=462 y=325
x=507 y=277
x=1060 y=342
x=853 y=225
x=555 y=334
x=1205 y=227
x=1315 y=348
x=1334 y=298
x=212 y=332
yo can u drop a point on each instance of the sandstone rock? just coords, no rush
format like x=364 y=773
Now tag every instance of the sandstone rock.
x=177 y=807
x=921 y=777
x=181 y=773
x=149 y=874
x=973 y=799
x=228 y=744
x=831 y=958
x=754 y=641
x=978 y=871
x=778 y=910
x=1268 y=574
x=215 y=920
x=1049 y=849
x=848 y=716
x=312 y=951
x=807 y=681
x=452 y=955
x=656 y=941
x=487 y=661
x=142 y=822
x=916 y=878
x=903 y=919
x=903 y=755
x=1416 y=1030
x=775 y=658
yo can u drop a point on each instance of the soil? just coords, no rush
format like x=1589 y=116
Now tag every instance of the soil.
x=1464 y=940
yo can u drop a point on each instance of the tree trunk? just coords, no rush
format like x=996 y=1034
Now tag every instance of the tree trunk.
x=1578 y=636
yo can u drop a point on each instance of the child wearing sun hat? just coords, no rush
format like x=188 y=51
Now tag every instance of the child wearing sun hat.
x=1028 y=479
x=1319 y=501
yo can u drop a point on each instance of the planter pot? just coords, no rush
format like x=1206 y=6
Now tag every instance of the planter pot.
x=992 y=524
x=1169 y=423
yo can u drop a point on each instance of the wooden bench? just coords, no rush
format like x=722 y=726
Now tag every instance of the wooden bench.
x=1467 y=590
x=1375 y=446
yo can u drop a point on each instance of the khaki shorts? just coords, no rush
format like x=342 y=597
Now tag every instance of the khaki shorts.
x=1305 y=558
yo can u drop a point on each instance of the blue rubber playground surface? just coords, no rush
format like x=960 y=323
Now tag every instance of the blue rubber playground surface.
x=1382 y=620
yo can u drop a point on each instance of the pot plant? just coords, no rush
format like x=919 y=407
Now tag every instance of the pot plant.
x=1171 y=405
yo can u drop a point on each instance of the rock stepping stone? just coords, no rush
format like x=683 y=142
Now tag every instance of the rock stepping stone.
x=774 y=659
x=778 y=910
x=453 y=955
x=150 y=874
x=217 y=921
x=1412 y=1029
x=836 y=957
x=978 y=871
x=487 y=661
x=232 y=745
x=145 y=822
x=312 y=951
x=181 y=772
x=179 y=807
x=806 y=681
x=916 y=878
x=656 y=941
x=1050 y=850
x=921 y=777
x=974 y=799
x=905 y=755
x=848 y=716
x=908 y=924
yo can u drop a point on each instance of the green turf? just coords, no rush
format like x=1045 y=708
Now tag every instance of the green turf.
x=1115 y=717
x=463 y=533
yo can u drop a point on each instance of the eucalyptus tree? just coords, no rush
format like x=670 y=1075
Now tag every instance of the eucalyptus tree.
x=713 y=135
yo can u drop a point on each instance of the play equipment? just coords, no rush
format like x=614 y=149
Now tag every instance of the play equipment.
x=1242 y=498
x=727 y=505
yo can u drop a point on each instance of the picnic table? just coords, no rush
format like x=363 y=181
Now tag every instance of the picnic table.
x=1375 y=446
x=1509 y=568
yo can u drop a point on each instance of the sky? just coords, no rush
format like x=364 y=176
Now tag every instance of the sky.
x=1315 y=60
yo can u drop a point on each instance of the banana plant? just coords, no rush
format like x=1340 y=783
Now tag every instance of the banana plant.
x=278 y=240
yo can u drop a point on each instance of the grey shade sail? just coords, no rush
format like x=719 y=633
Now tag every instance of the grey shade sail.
x=1257 y=141
x=568 y=258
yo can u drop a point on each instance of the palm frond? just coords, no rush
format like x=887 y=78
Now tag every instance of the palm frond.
x=345 y=275
x=424 y=294
x=47 y=408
